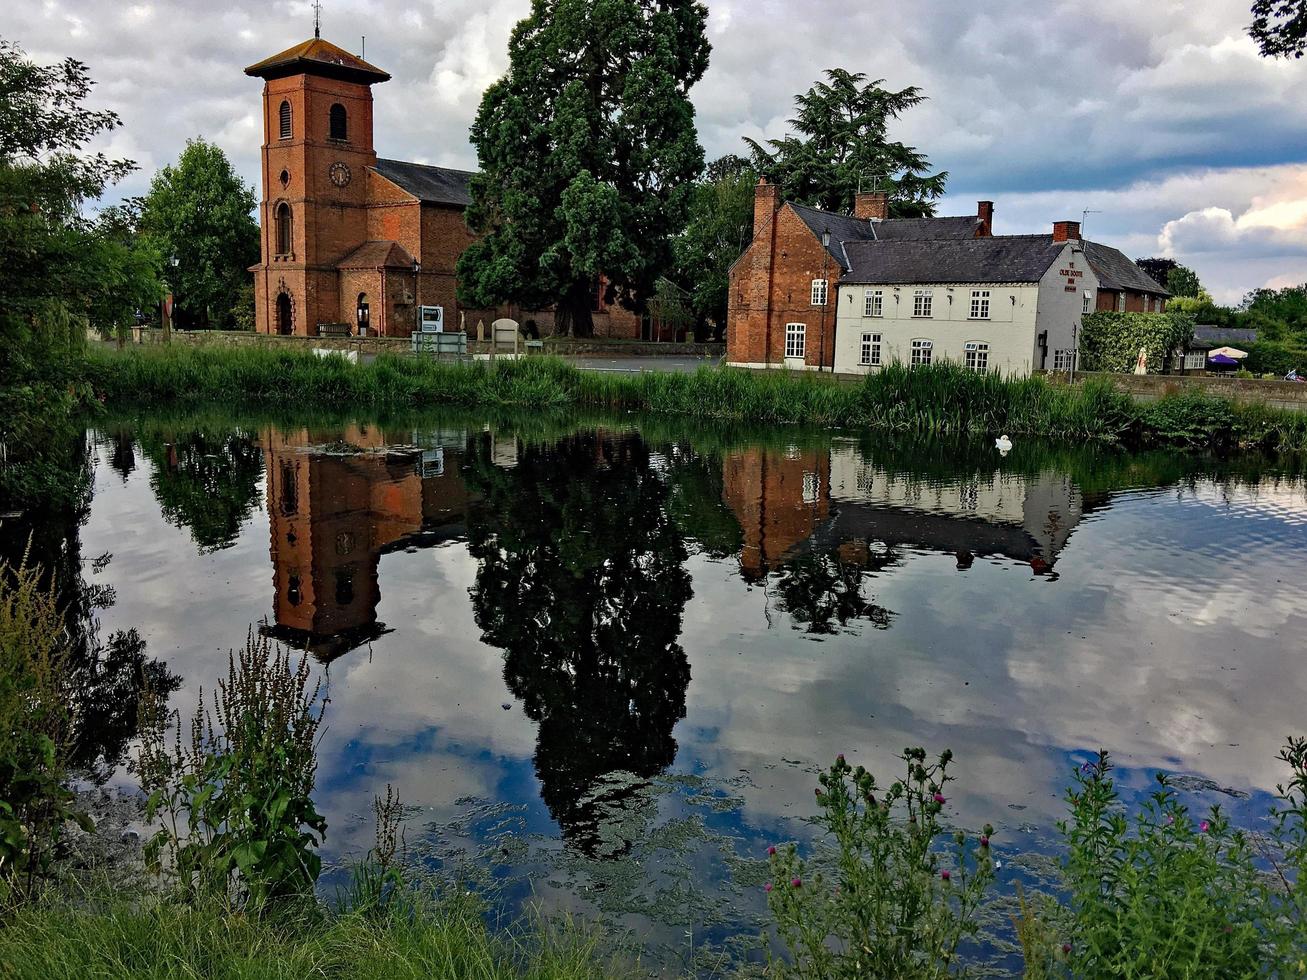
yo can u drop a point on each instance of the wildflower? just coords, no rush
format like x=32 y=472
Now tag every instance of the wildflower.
x=945 y=874
x=1066 y=949
x=796 y=883
x=840 y=758
x=1204 y=826
x=939 y=798
x=1170 y=819
x=771 y=851
x=984 y=841
x=767 y=887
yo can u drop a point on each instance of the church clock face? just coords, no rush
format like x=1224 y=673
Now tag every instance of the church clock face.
x=339 y=174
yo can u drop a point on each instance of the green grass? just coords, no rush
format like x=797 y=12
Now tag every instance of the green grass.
x=939 y=399
x=114 y=938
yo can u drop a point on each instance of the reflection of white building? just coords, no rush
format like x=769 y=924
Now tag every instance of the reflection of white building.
x=1023 y=517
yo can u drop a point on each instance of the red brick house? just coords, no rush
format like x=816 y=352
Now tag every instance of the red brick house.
x=351 y=238
x=791 y=272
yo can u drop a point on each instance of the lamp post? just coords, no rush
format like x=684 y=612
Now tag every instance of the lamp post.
x=825 y=295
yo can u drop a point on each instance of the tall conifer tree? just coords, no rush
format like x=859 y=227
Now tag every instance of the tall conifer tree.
x=588 y=154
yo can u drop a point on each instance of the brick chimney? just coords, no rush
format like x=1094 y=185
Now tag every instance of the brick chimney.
x=871 y=204
x=766 y=202
x=985 y=212
x=1066 y=231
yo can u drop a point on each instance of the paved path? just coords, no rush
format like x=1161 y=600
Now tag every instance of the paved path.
x=640 y=364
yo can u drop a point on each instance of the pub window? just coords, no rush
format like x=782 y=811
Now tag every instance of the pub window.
x=796 y=342
x=284 y=117
x=874 y=303
x=922 y=300
x=870 y=349
x=283 y=229
x=921 y=351
x=1088 y=307
x=980 y=304
x=977 y=356
x=339 y=129
x=819 y=292
x=1063 y=360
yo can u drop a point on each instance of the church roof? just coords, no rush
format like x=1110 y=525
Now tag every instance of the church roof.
x=430 y=185
x=377 y=255
x=318 y=57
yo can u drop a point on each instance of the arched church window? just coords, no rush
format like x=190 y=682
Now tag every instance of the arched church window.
x=284 y=115
x=339 y=129
x=283 y=229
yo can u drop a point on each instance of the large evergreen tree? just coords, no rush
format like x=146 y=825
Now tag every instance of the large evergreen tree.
x=1280 y=27
x=588 y=152
x=720 y=226
x=200 y=212
x=840 y=143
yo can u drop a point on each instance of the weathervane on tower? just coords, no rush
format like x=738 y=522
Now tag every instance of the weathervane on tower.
x=317 y=18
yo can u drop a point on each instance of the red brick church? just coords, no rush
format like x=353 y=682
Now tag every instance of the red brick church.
x=351 y=239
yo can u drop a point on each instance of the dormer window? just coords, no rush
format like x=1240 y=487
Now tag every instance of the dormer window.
x=284 y=117
x=339 y=123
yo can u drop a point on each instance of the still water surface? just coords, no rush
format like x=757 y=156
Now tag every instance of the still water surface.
x=602 y=663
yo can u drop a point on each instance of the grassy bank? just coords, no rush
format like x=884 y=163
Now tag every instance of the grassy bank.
x=940 y=399
x=67 y=938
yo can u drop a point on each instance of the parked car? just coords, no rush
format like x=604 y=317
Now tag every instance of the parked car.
x=1295 y=376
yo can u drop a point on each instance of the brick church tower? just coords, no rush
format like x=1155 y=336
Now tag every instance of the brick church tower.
x=317 y=149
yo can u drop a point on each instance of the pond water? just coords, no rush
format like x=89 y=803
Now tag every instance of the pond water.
x=602 y=660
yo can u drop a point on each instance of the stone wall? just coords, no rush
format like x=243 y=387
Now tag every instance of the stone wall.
x=1150 y=386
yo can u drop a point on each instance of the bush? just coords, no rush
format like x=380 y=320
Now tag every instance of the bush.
x=237 y=815
x=1111 y=341
x=1276 y=358
x=890 y=902
x=35 y=732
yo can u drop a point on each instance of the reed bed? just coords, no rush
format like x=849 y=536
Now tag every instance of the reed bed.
x=939 y=399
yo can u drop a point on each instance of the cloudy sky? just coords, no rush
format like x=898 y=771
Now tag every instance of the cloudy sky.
x=1159 y=115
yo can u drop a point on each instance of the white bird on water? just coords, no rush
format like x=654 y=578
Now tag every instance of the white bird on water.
x=1004 y=445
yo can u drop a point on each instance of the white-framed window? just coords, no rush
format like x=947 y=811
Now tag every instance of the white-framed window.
x=796 y=339
x=1195 y=360
x=870 y=349
x=874 y=302
x=922 y=300
x=1120 y=302
x=921 y=351
x=1063 y=359
x=977 y=355
x=819 y=292
x=980 y=304
x=1088 y=305
x=811 y=488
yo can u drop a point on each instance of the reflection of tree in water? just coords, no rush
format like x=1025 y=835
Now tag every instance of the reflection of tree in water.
x=205 y=481
x=823 y=592
x=581 y=583
x=121 y=444
x=107 y=676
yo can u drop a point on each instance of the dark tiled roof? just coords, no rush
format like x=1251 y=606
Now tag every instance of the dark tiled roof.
x=377 y=255
x=430 y=185
x=1225 y=336
x=845 y=228
x=1007 y=258
x=318 y=57
x=1115 y=271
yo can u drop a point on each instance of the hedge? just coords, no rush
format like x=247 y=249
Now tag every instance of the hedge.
x=1111 y=341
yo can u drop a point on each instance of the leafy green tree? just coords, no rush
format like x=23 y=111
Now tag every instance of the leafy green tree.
x=1158 y=269
x=720 y=226
x=588 y=151
x=1280 y=27
x=1279 y=313
x=60 y=269
x=200 y=212
x=841 y=143
x=1183 y=281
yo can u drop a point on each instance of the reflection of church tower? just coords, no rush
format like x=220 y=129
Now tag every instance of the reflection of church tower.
x=317 y=148
x=331 y=516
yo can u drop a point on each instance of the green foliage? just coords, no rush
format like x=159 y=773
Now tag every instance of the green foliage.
x=1158 y=269
x=1277 y=357
x=1161 y=894
x=720 y=226
x=587 y=150
x=145 y=937
x=841 y=143
x=1183 y=281
x=892 y=900
x=1277 y=314
x=234 y=803
x=1111 y=341
x=200 y=212
x=1280 y=27
x=35 y=731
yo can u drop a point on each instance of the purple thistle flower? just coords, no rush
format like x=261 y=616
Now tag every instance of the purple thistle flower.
x=1066 y=948
x=984 y=841
x=796 y=883
x=771 y=851
x=945 y=874
x=1204 y=826
x=767 y=887
x=939 y=798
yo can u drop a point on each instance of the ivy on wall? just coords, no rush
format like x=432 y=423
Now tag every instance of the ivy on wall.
x=1111 y=341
